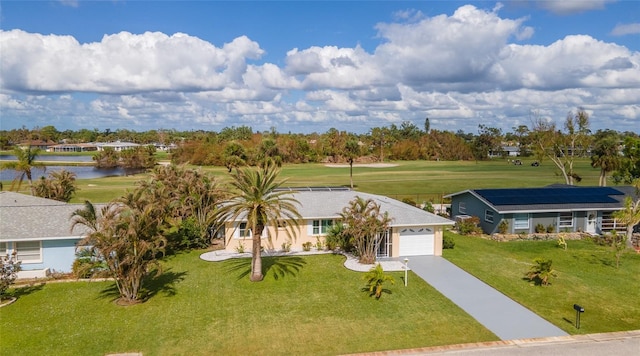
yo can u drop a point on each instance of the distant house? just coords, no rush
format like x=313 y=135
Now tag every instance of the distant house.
x=413 y=231
x=39 y=144
x=38 y=230
x=557 y=207
x=117 y=146
x=73 y=147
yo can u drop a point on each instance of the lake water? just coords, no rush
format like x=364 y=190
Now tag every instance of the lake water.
x=82 y=172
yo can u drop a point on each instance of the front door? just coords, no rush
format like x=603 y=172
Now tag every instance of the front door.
x=592 y=222
x=384 y=245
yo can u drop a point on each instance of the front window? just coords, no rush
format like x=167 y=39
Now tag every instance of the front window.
x=488 y=216
x=565 y=219
x=321 y=227
x=244 y=231
x=28 y=251
x=520 y=221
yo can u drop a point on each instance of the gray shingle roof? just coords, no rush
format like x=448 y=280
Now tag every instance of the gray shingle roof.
x=329 y=204
x=24 y=217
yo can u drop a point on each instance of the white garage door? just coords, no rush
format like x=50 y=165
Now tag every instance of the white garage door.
x=416 y=242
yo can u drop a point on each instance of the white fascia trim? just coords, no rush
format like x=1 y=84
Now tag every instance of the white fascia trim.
x=50 y=238
x=555 y=210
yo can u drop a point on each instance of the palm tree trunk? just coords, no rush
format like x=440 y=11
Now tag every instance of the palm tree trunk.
x=256 y=258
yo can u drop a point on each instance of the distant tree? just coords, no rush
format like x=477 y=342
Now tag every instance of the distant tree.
x=488 y=140
x=59 y=185
x=140 y=157
x=352 y=151
x=562 y=148
x=605 y=155
x=629 y=169
x=234 y=155
x=25 y=162
x=365 y=224
x=427 y=125
x=522 y=135
x=107 y=158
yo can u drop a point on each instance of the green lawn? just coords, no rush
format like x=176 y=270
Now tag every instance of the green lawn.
x=306 y=305
x=417 y=180
x=586 y=276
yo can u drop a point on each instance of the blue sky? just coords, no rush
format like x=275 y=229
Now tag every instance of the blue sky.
x=307 y=66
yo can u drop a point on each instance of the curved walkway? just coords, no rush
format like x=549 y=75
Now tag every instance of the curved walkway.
x=497 y=312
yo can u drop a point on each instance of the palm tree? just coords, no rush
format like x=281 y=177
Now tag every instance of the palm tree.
x=60 y=185
x=365 y=224
x=352 y=150
x=261 y=204
x=25 y=161
x=127 y=234
x=606 y=156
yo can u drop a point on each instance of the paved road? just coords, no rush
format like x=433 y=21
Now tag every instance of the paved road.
x=498 y=313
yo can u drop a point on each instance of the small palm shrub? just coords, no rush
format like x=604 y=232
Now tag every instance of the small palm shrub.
x=550 y=229
x=541 y=272
x=286 y=246
x=375 y=279
x=240 y=248
x=540 y=228
x=307 y=246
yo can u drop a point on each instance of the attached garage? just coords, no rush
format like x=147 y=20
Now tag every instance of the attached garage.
x=418 y=241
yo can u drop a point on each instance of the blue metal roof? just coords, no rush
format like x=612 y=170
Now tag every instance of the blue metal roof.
x=532 y=196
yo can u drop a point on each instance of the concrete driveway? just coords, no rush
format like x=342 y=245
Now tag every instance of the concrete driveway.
x=497 y=312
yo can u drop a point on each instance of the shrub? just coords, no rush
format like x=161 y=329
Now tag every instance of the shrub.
x=550 y=229
x=307 y=246
x=9 y=267
x=409 y=201
x=286 y=246
x=240 y=248
x=448 y=242
x=319 y=244
x=88 y=265
x=429 y=207
x=540 y=228
x=541 y=272
x=503 y=226
x=375 y=279
x=469 y=226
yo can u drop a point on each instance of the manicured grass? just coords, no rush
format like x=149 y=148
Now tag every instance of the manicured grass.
x=586 y=276
x=416 y=180
x=306 y=305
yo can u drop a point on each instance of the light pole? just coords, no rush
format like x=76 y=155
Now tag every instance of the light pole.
x=406 y=268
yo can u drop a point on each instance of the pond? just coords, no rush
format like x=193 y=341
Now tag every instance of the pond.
x=82 y=172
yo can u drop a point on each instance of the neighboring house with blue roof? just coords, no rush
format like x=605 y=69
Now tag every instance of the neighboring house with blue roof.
x=560 y=207
x=412 y=231
x=39 y=231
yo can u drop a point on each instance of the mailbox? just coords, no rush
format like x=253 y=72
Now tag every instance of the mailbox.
x=578 y=310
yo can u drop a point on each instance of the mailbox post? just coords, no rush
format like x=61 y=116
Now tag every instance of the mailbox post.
x=406 y=269
x=579 y=310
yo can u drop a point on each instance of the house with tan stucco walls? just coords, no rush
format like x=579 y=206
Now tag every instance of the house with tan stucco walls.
x=412 y=231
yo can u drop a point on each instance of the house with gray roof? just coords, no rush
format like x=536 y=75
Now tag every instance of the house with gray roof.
x=39 y=231
x=412 y=231
x=556 y=208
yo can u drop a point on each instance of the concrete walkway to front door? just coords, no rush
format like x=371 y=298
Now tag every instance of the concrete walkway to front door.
x=498 y=313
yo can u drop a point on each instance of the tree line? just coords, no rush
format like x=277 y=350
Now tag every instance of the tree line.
x=616 y=154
